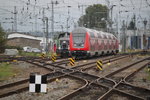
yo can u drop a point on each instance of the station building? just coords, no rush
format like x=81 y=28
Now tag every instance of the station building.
x=23 y=40
x=138 y=39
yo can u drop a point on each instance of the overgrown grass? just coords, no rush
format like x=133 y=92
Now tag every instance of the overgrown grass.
x=148 y=72
x=6 y=71
x=22 y=53
x=148 y=75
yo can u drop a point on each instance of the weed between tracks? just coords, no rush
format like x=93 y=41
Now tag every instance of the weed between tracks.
x=148 y=74
x=7 y=71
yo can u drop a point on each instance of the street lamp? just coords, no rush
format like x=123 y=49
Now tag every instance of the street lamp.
x=111 y=21
x=68 y=18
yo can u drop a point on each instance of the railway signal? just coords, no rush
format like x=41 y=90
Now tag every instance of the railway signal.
x=14 y=61
x=53 y=58
x=38 y=83
x=99 y=65
x=71 y=61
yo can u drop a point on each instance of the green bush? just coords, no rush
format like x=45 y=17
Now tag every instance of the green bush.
x=2 y=40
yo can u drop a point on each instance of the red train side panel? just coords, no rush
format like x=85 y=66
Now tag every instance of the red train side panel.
x=88 y=42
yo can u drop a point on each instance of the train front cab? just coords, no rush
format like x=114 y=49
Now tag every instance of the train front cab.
x=79 y=44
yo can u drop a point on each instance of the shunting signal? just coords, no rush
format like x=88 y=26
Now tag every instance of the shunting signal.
x=71 y=61
x=99 y=65
x=38 y=83
x=53 y=58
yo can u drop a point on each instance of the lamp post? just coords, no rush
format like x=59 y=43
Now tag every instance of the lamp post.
x=144 y=35
x=109 y=20
x=68 y=18
x=111 y=17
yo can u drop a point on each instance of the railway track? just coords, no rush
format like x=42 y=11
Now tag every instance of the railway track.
x=128 y=90
x=93 y=63
x=115 y=87
x=95 y=87
x=23 y=85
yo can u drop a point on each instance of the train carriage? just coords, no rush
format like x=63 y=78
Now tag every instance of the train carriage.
x=88 y=42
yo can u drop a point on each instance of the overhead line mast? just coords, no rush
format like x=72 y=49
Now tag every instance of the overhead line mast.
x=15 y=19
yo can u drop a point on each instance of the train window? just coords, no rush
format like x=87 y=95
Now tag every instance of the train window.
x=78 y=39
x=64 y=46
x=92 y=35
x=99 y=35
x=109 y=36
x=105 y=37
x=114 y=38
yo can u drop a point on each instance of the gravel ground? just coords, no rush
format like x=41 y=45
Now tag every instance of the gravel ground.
x=81 y=62
x=92 y=94
x=118 y=97
x=141 y=79
x=56 y=89
x=64 y=86
x=24 y=71
x=113 y=66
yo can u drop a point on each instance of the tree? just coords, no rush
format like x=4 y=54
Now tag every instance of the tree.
x=95 y=17
x=132 y=25
x=2 y=40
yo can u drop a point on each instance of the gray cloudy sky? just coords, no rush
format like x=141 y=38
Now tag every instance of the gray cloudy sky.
x=30 y=12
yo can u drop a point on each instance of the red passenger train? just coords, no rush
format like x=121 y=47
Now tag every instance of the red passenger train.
x=88 y=42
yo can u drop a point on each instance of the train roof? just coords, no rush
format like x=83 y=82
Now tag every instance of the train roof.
x=99 y=33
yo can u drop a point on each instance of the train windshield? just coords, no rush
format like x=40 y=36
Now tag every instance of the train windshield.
x=64 y=44
x=78 y=39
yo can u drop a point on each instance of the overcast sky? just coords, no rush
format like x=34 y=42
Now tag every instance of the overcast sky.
x=30 y=12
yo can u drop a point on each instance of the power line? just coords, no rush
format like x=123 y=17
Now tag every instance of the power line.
x=132 y=4
x=6 y=10
x=147 y=3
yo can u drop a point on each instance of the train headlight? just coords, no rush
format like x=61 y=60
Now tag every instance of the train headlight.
x=75 y=44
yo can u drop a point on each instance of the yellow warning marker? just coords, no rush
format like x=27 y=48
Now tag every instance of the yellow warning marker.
x=53 y=58
x=57 y=80
x=18 y=56
x=84 y=61
x=108 y=64
x=7 y=63
x=99 y=65
x=14 y=60
x=43 y=55
x=14 y=75
x=72 y=61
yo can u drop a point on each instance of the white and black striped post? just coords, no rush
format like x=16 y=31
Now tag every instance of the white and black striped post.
x=38 y=83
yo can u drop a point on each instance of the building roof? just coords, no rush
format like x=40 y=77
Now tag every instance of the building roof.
x=17 y=35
